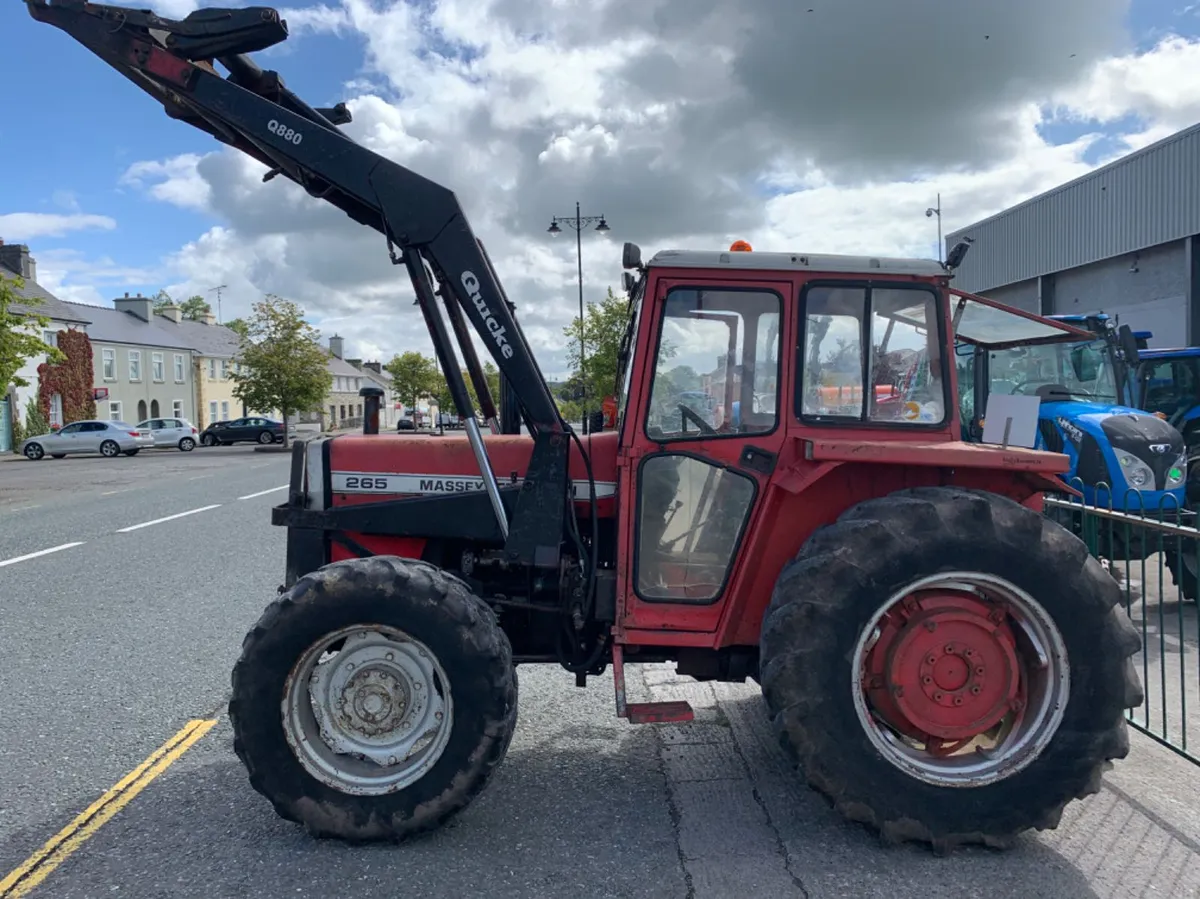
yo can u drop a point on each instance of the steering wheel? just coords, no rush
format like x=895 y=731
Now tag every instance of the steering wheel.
x=689 y=414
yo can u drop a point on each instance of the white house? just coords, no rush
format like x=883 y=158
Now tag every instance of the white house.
x=15 y=262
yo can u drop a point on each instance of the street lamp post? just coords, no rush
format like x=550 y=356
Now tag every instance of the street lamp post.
x=930 y=213
x=577 y=222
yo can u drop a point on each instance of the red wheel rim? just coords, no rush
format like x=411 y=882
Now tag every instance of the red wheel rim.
x=960 y=678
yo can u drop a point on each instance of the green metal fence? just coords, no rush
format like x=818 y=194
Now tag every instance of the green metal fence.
x=1155 y=556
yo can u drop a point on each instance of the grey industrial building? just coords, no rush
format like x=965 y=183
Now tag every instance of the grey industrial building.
x=1123 y=239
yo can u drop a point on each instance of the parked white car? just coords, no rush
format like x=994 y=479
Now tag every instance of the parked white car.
x=108 y=438
x=170 y=433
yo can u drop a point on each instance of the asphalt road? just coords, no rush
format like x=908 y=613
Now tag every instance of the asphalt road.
x=111 y=646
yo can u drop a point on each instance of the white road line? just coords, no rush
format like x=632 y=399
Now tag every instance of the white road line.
x=111 y=492
x=146 y=524
x=200 y=477
x=264 y=492
x=41 y=552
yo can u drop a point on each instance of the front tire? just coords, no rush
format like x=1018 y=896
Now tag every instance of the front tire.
x=34 y=452
x=971 y=593
x=415 y=651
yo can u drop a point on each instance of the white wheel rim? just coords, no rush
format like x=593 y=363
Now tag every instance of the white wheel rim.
x=1023 y=736
x=372 y=719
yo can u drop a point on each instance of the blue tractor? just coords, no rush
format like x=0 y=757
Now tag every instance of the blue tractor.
x=1122 y=458
x=1169 y=386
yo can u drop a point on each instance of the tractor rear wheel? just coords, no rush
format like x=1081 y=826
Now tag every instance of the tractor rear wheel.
x=948 y=666
x=374 y=699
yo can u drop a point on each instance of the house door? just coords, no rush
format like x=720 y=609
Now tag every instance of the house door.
x=5 y=426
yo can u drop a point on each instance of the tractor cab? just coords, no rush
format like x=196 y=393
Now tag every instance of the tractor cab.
x=1090 y=410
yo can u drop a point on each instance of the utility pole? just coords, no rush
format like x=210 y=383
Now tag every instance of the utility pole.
x=218 y=289
x=577 y=222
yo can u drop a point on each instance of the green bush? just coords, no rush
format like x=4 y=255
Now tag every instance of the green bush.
x=35 y=421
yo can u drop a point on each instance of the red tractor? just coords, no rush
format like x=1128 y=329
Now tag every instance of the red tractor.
x=943 y=662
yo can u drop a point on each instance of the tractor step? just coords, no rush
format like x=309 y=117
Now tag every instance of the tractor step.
x=671 y=712
x=674 y=712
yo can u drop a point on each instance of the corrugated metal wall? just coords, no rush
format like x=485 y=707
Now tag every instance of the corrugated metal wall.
x=1147 y=198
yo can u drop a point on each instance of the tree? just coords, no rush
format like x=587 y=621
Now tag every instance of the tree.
x=193 y=308
x=282 y=363
x=491 y=375
x=605 y=325
x=239 y=326
x=414 y=377
x=20 y=334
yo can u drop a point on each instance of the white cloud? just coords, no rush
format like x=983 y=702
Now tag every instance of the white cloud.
x=24 y=227
x=174 y=180
x=686 y=125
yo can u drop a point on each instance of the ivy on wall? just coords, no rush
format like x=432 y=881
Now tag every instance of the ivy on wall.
x=71 y=379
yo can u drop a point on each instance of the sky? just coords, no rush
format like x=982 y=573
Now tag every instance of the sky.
x=815 y=126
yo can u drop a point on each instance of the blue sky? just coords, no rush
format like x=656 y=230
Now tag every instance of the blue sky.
x=71 y=127
x=80 y=126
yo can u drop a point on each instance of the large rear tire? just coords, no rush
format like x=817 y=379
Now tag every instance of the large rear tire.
x=419 y=661
x=1002 y=628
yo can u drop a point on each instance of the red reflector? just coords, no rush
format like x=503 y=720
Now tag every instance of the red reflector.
x=194 y=431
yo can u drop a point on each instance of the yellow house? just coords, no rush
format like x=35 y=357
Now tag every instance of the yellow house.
x=213 y=350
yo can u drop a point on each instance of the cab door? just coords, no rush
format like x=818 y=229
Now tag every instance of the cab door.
x=704 y=429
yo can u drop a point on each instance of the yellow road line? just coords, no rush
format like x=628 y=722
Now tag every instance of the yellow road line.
x=58 y=848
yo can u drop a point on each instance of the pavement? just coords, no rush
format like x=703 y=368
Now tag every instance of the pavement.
x=112 y=644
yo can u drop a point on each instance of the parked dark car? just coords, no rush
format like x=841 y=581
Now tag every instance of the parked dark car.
x=253 y=429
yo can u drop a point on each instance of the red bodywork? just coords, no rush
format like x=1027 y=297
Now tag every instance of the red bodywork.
x=818 y=473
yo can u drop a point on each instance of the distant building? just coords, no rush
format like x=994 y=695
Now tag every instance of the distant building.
x=214 y=349
x=15 y=262
x=145 y=367
x=1123 y=239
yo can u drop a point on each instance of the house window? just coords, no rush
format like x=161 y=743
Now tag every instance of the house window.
x=110 y=364
x=225 y=410
x=212 y=369
x=224 y=369
x=360 y=410
x=212 y=412
x=156 y=367
x=179 y=368
x=135 y=365
x=333 y=413
x=177 y=408
x=342 y=409
x=114 y=410
x=56 y=417
x=50 y=338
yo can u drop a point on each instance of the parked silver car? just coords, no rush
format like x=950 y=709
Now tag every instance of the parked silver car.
x=170 y=433
x=108 y=438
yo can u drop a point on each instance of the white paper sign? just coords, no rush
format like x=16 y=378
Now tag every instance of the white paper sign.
x=1018 y=413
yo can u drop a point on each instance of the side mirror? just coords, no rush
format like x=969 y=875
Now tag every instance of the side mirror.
x=629 y=281
x=1129 y=345
x=595 y=422
x=631 y=255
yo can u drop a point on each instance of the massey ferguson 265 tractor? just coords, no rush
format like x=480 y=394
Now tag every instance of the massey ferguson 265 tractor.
x=943 y=663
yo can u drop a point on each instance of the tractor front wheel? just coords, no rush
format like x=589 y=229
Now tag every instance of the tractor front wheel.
x=948 y=666
x=374 y=699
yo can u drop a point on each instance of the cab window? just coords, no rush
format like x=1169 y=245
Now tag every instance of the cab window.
x=871 y=354
x=716 y=370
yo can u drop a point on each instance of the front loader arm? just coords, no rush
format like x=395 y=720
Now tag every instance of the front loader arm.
x=253 y=110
